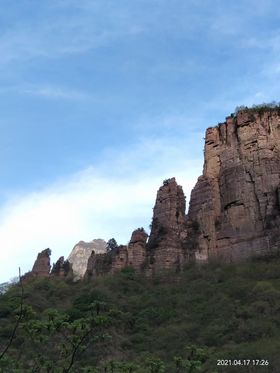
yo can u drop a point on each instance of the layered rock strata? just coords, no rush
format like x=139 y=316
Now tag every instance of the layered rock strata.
x=235 y=204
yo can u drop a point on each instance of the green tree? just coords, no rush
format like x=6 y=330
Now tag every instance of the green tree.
x=112 y=245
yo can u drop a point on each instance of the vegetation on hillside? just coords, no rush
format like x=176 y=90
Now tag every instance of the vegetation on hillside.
x=127 y=323
x=260 y=108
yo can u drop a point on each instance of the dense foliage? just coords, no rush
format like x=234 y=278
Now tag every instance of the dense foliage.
x=128 y=323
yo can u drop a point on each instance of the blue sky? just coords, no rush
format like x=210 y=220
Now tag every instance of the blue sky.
x=100 y=100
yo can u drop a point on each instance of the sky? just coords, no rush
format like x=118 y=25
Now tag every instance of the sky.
x=101 y=100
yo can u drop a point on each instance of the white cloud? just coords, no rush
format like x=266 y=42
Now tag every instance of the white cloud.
x=55 y=92
x=104 y=202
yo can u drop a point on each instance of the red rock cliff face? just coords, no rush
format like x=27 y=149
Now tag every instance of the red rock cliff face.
x=235 y=203
x=42 y=264
x=169 y=229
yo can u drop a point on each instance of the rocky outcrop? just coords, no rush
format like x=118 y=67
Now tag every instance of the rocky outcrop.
x=110 y=262
x=81 y=252
x=235 y=203
x=137 y=251
x=166 y=245
x=133 y=255
x=62 y=268
x=42 y=267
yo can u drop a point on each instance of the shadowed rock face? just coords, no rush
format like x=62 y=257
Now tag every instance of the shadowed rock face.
x=235 y=203
x=62 y=268
x=169 y=228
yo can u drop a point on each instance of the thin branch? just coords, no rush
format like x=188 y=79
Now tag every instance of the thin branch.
x=12 y=337
x=75 y=350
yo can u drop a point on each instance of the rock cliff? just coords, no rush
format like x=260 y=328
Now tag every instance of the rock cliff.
x=42 y=264
x=234 y=209
x=166 y=244
x=235 y=203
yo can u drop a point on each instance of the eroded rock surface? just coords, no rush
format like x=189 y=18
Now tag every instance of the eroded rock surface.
x=42 y=264
x=110 y=262
x=166 y=248
x=42 y=267
x=137 y=251
x=235 y=203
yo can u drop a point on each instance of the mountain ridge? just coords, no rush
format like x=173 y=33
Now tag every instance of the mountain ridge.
x=234 y=209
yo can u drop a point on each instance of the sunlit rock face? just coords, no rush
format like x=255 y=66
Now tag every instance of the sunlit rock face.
x=81 y=252
x=235 y=203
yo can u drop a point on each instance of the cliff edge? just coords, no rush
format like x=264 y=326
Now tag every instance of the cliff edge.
x=235 y=203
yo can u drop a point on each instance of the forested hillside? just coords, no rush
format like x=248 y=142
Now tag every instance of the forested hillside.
x=129 y=323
